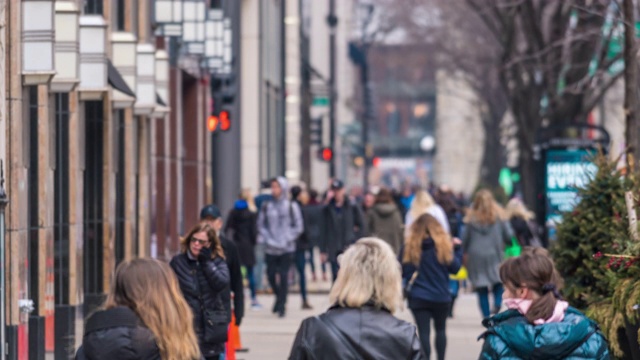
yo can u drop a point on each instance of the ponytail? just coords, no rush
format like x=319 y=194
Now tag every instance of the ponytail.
x=543 y=307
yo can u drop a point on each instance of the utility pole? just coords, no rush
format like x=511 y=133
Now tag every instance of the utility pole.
x=365 y=43
x=366 y=98
x=630 y=82
x=332 y=21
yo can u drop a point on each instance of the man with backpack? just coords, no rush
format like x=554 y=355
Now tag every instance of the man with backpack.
x=279 y=225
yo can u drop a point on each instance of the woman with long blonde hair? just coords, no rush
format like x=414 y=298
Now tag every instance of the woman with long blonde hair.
x=484 y=238
x=365 y=295
x=428 y=258
x=144 y=317
x=423 y=203
x=204 y=279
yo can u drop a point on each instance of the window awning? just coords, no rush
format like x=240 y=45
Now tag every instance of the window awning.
x=159 y=100
x=117 y=82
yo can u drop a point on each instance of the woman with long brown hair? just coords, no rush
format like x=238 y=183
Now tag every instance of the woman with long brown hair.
x=144 y=317
x=484 y=238
x=428 y=258
x=204 y=280
x=538 y=323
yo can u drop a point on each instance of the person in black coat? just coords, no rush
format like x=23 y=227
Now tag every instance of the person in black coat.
x=342 y=224
x=144 y=313
x=303 y=243
x=204 y=280
x=242 y=228
x=360 y=324
x=212 y=216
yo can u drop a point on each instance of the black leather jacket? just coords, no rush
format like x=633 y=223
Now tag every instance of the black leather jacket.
x=119 y=334
x=205 y=286
x=365 y=333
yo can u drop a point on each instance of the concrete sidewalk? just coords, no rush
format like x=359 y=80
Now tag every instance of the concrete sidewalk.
x=270 y=338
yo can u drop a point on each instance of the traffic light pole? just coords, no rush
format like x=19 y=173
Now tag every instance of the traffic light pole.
x=366 y=98
x=332 y=21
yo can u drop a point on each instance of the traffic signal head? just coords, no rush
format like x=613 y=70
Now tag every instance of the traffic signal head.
x=325 y=154
x=225 y=120
x=212 y=123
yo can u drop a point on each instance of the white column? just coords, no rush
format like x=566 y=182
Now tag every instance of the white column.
x=292 y=85
x=250 y=94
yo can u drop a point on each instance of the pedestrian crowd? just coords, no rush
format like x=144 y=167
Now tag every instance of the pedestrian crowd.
x=382 y=248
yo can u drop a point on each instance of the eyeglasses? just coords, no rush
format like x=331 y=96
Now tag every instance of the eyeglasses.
x=200 y=241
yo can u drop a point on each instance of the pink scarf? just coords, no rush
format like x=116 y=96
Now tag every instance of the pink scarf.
x=523 y=305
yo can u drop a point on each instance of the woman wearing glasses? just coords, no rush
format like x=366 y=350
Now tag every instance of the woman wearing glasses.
x=204 y=278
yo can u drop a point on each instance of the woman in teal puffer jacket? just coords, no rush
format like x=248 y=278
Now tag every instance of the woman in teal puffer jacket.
x=538 y=325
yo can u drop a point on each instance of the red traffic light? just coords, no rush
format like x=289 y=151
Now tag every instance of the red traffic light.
x=326 y=154
x=212 y=123
x=375 y=161
x=225 y=120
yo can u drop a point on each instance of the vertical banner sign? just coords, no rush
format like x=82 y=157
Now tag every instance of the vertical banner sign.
x=566 y=171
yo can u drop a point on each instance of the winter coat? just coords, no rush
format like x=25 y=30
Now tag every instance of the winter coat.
x=312 y=214
x=522 y=230
x=280 y=223
x=117 y=333
x=385 y=222
x=235 y=278
x=364 y=333
x=205 y=287
x=434 y=210
x=241 y=227
x=484 y=246
x=510 y=336
x=338 y=231
x=432 y=282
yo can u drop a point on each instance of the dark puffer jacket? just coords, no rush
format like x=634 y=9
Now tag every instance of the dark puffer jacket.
x=510 y=336
x=364 y=333
x=205 y=286
x=117 y=333
x=242 y=228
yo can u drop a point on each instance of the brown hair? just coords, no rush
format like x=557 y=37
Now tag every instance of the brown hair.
x=216 y=247
x=384 y=197
x=484 y=210
x=149 y=287
x=427 y=226
x=534 y=270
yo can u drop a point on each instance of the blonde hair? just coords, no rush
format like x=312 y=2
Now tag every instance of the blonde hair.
x=369 y=272
x=427 y=226
x=215 y=246
x=149 y=287
x=247 y=196
x=515 y=208
x=421 y=203
x=484 y=210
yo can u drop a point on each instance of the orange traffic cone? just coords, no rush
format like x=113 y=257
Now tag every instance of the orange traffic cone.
x=234 y=336
x=230 y=345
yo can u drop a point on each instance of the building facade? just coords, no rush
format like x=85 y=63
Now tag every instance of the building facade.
x=106 y=156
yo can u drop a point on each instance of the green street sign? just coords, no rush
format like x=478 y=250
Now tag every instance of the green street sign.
x=320 y=101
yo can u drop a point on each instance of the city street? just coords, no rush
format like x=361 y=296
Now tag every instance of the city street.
x=268 y=337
